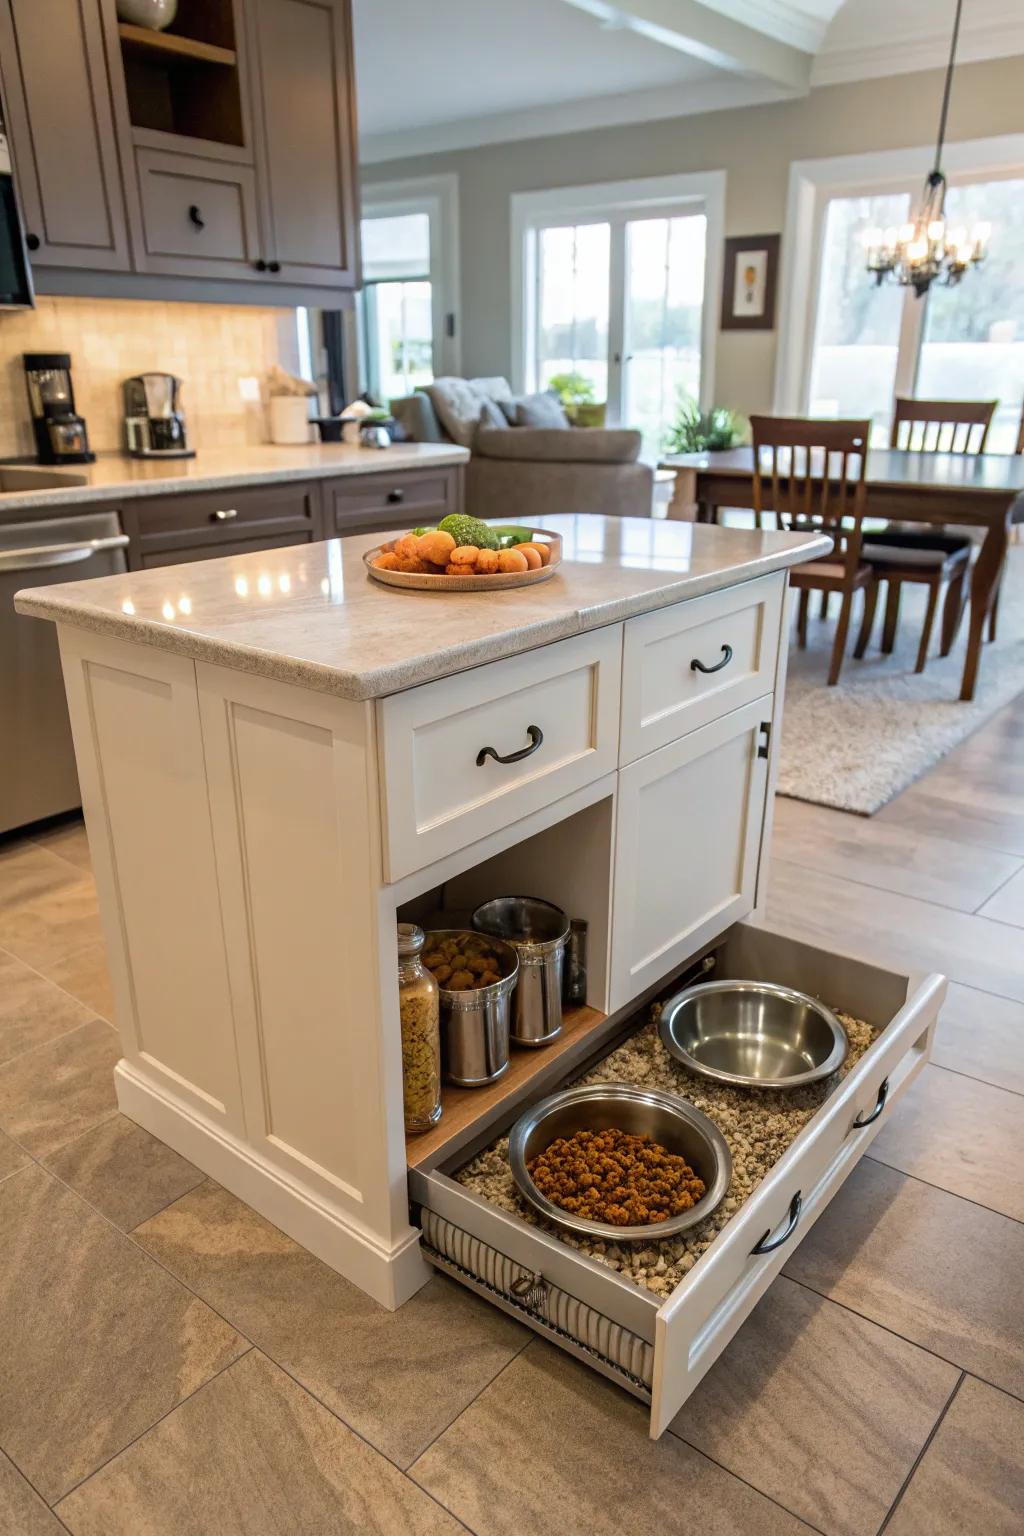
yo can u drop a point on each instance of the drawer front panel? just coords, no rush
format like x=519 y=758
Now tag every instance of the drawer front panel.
x=552 y=714
x=410 y=500
x=695 y=1324
x=198 y=216
x=687 y=842
x=733 y=635
x=222 y=517
x=217 y=551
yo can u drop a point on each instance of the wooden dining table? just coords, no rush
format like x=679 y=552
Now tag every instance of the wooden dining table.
x=984 y=490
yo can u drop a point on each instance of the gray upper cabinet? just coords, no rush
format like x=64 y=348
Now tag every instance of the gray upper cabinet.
x=302 y=64
x=61 y=128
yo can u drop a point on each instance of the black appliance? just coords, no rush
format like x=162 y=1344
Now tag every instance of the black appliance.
x=153 y=421
x=15 y=273
x=61 y=436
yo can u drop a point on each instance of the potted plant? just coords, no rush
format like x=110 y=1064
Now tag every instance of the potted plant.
x=576 y=393
x=697 y=431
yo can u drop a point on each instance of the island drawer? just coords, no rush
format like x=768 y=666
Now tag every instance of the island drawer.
x=411 y=499
x=660 y=1348
x=217 y=518
x=468 y=754
x=686 y=665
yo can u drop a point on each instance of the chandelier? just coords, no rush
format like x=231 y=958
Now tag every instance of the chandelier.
x=926 y=249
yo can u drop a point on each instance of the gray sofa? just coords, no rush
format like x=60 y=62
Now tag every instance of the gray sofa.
x=528 y=472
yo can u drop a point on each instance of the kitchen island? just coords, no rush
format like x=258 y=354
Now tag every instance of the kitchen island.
x=280 y=759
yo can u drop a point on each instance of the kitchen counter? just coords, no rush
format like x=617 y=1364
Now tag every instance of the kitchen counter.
x=114 y=477
x=311 y=616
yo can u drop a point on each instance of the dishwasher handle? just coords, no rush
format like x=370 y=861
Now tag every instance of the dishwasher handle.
x=58 y=554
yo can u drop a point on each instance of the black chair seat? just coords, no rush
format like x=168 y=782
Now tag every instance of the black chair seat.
x=908 y=548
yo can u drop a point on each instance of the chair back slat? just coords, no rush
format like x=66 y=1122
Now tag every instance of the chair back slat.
x=816 y=471
x=942 y=426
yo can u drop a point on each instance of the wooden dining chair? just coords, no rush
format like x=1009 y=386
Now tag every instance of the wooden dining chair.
x=811 y=475
x=924 y=557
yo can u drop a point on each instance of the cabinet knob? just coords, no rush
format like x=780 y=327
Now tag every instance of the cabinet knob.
x=195 y=214
x=225 y=514
x=260 y=265
x=33 y=242
x=273 y=266
x=394 y=497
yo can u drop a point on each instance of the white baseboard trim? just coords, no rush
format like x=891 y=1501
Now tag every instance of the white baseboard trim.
x=389 y=1276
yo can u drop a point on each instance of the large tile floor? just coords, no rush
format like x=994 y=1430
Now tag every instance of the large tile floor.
x=173 y=1363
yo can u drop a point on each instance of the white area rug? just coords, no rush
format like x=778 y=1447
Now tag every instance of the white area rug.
x=857 y=745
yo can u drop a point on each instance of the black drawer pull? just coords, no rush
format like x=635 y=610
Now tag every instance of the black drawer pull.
x=394 y=497
x=33 y=242
x=196 y=216
x=260 y=265
x=698 y=666
x=273 y=266
x=863 y=1120
x=766 y=1246
x=536 y=736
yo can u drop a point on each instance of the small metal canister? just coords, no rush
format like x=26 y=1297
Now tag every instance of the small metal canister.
x=538 y=931
x=475 y=1024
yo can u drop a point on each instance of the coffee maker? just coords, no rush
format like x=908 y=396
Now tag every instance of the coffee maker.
x=153 y=422
x=60 y=433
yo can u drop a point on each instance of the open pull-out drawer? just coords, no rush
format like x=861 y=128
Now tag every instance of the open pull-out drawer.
x=660 y=1348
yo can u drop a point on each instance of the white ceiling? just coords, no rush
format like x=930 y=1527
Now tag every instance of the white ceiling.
x=455 y=73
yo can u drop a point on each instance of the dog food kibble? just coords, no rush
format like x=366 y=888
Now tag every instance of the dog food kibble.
x=617 y=1178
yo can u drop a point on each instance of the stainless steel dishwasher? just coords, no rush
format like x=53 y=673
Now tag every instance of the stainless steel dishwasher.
x=37 y=760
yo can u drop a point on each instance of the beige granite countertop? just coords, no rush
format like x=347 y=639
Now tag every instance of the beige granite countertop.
x=310 y=615
x=114 y=476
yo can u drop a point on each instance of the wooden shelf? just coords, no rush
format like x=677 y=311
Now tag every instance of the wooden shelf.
x=172 y=46
x=463 y=1107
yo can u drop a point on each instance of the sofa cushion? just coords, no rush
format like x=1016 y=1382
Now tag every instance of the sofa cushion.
x=581 y=445
x=541 y=410
x=418 y=417
x=460 y=402
x=493 y=416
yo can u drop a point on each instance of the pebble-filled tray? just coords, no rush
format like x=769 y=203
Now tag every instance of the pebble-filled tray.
x=758 y=1125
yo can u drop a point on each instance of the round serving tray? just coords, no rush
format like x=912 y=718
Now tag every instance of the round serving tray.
x=499 y=583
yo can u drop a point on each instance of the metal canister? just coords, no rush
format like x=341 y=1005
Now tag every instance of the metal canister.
x=475 y=1023
x=538 y=931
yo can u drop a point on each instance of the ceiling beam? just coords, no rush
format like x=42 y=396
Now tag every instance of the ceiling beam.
x=701 y=29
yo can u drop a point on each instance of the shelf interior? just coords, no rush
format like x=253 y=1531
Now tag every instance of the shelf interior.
x=185 y=81
x=173 y=46
x=463 y=1107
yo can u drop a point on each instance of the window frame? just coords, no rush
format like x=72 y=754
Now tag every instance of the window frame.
x=815 y=183
x=617 y=203
x=438 y=198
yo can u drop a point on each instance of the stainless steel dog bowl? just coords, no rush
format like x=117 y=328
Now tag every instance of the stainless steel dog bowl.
x=671 y=1121
x=475 y=1024
x=753 y=1034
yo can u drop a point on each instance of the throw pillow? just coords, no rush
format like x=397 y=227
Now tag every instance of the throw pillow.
x=459 y=404
x=540 y=410
x=491 y=415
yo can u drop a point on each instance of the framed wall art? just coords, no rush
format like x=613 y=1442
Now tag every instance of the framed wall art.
x=750 y=279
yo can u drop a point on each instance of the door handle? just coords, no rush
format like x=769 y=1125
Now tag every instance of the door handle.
x=870 y=1118
x=195 y=214
x=696 y=665
x=536 y=736
x=58 y=554
x=768 y=1244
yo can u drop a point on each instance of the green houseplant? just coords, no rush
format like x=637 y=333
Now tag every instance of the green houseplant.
x=576 y=393
x=697 y=431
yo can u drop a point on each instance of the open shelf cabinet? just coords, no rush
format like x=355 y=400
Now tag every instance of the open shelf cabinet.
x=184 y=81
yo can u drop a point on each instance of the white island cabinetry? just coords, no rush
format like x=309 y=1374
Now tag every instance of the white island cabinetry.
x=295 y=763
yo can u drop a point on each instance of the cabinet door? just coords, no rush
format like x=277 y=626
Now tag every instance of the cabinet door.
x=307 y=138
x=198 y=216
x=62 y=133
x=687 y=843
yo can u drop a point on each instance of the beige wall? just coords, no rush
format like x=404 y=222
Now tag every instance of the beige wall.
x=209 y=346
x=754 y=146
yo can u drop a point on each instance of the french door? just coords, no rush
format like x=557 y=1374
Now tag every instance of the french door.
x=618 y=302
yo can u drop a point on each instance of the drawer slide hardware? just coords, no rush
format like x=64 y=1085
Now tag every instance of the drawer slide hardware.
x=536 y=736
x=531 y=1290
x=768 y=1244
x=764 y=748
x=869 y=1119
x=696 y=665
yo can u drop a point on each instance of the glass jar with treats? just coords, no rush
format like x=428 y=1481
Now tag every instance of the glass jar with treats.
x=420 y=1009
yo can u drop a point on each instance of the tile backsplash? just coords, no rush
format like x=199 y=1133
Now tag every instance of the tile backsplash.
x=209 y=346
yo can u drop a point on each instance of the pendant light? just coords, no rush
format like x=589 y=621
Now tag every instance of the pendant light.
x=927 y=250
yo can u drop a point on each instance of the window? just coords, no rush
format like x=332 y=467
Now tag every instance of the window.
x=857 y=346
x=408 y=304
x=610 y=284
